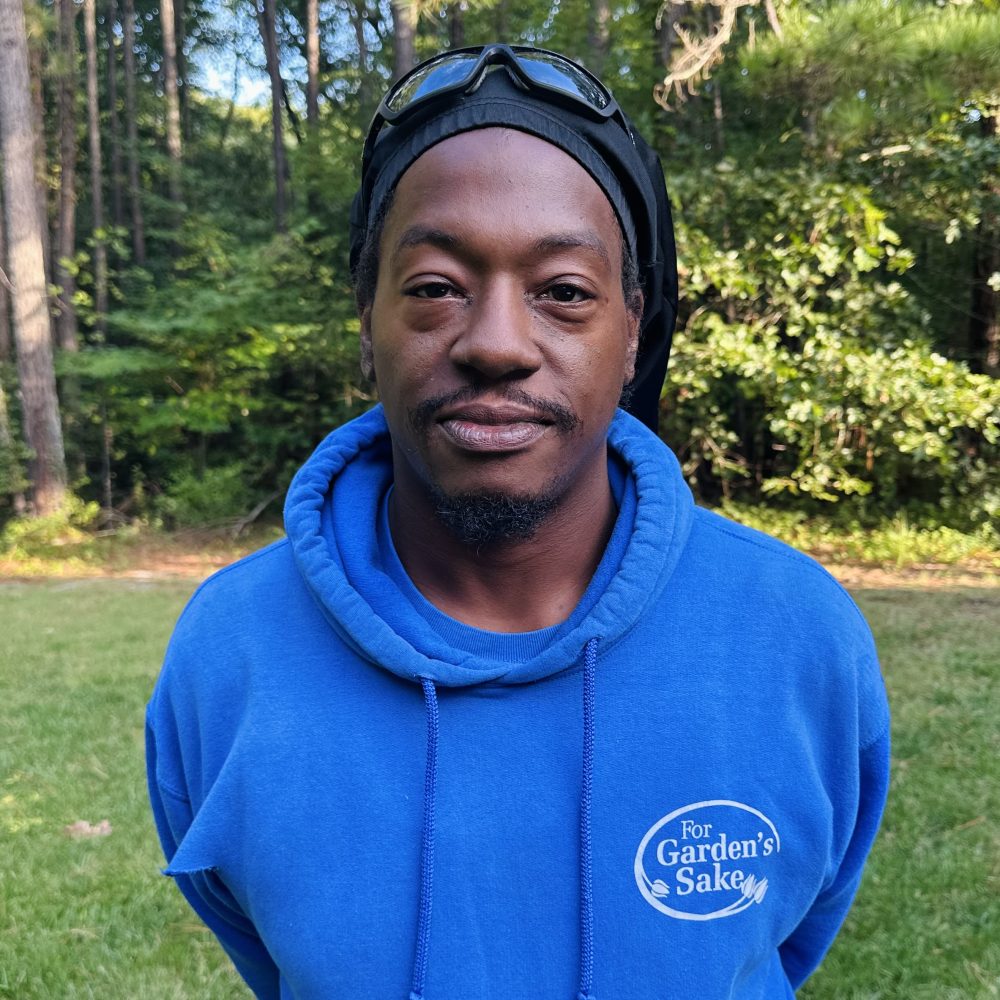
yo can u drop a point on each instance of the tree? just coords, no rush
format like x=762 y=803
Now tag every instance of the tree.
x=600 y=35
x=404 y=25
x=174 y=149
x=5 y=344
x=36 y=375
x=96 y=171
x=312 y=63
x=132 y=133
x=268 y=34
x=117 y=202
x=66 y=221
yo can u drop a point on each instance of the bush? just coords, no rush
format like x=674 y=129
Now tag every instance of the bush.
x=215 y=497
x=49 y=536
x=803 y=374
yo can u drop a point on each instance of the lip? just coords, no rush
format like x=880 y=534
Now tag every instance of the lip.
x=497 y=429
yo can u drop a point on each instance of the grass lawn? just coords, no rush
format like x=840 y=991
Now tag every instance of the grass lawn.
x=92 y=918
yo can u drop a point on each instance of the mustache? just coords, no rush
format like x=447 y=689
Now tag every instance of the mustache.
x=563 y=418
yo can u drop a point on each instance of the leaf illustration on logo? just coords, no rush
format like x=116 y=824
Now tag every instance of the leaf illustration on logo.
x=749 y=885
x=659 y=888
x=761 y=889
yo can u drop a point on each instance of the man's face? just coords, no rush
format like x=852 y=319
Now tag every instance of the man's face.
x=498 y=335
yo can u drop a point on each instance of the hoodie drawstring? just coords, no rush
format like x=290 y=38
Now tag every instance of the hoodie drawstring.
x=427 y=842
x=586 y=850
x=586 y=789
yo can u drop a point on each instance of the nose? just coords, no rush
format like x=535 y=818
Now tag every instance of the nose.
x=497 y=341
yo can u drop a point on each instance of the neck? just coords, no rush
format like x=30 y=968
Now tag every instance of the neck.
x=508 y=586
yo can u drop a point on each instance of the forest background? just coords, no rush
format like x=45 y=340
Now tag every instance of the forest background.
x=177 y=328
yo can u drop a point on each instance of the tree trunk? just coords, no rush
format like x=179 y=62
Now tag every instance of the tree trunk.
x=312 y=64
x=37 y=73
x=66 y=229
x=117 y=204
x=36 y=376
x=173 y=100
x=265 y=22
x=456 y=25
x=357 y=16
x=184 y=97
x=666 y=32
x=404 y=25
x=599 y=35
x=138 y=228
x=6 y=352
x=984 y=322
x=503 y=20
x=96 y=169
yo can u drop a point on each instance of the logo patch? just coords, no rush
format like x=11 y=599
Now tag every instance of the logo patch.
x=707 y=860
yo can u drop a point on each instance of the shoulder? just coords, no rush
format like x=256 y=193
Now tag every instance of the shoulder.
x=761 y=566
x=238 y=616
x=785 y=606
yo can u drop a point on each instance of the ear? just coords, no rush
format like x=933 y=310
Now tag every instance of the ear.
x=367 y=352
x=633 y=319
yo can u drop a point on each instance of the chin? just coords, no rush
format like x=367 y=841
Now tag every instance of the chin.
x=491 y=518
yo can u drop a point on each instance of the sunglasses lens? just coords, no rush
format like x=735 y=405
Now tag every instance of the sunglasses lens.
x=430 y=79
x=551 y=71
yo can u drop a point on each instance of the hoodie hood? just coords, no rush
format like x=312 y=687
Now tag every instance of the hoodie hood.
x=344 y=483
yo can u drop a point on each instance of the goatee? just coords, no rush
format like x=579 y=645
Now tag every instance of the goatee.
x=483 y=519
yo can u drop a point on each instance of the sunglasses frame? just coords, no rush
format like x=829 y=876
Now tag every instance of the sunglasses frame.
x=497 y=54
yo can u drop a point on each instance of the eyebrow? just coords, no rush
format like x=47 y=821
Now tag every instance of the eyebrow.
x=585 y=239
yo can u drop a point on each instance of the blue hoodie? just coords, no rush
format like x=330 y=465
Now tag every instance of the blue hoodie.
x=669 y=795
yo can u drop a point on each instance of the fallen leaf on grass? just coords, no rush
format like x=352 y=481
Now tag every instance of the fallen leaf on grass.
x=81 y=828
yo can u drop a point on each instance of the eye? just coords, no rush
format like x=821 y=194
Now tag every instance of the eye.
x=565 y=292
x=430 y=290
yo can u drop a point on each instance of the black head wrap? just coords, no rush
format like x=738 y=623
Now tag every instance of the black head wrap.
x=620 y=161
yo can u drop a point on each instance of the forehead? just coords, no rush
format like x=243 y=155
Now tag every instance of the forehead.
x=517 y=185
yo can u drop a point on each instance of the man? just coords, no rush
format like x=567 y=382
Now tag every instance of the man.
x=506 y=715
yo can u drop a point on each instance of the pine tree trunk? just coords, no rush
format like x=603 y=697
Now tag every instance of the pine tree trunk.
x=132 y=131
x=66 y=228
x=268 y=35
x=6 y=352
x=184 y=97
x=117 y=202
x=37 y=72
x=32 y=335
x=356 y=12
x=503 y=20
x=404 y=27
x=174 y=150
x=600 y=35
x=456 y=25
x=96 y=168
x=312 y=64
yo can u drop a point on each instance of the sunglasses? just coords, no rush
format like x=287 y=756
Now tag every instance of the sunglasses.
x=545 y=74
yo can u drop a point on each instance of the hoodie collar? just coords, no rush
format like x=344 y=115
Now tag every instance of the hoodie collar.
x=343 y=485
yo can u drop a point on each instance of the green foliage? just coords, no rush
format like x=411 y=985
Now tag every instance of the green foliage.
x=212 y=498
x=835 y=189
x=897 y=541
x=803 y=370
x=13 y=452
x=44 y=537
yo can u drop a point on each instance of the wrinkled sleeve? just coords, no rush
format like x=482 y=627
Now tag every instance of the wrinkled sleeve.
x=203 y=889
x=804 y=949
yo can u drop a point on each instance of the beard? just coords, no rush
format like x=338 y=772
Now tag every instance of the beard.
x=484 y=519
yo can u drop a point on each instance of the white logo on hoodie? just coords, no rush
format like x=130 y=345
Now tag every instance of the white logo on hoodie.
x=707 y=860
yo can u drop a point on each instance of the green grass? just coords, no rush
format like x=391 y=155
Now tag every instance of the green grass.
x=93 y=919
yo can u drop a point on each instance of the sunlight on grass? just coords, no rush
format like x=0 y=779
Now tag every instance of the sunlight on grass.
x=91 y=917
